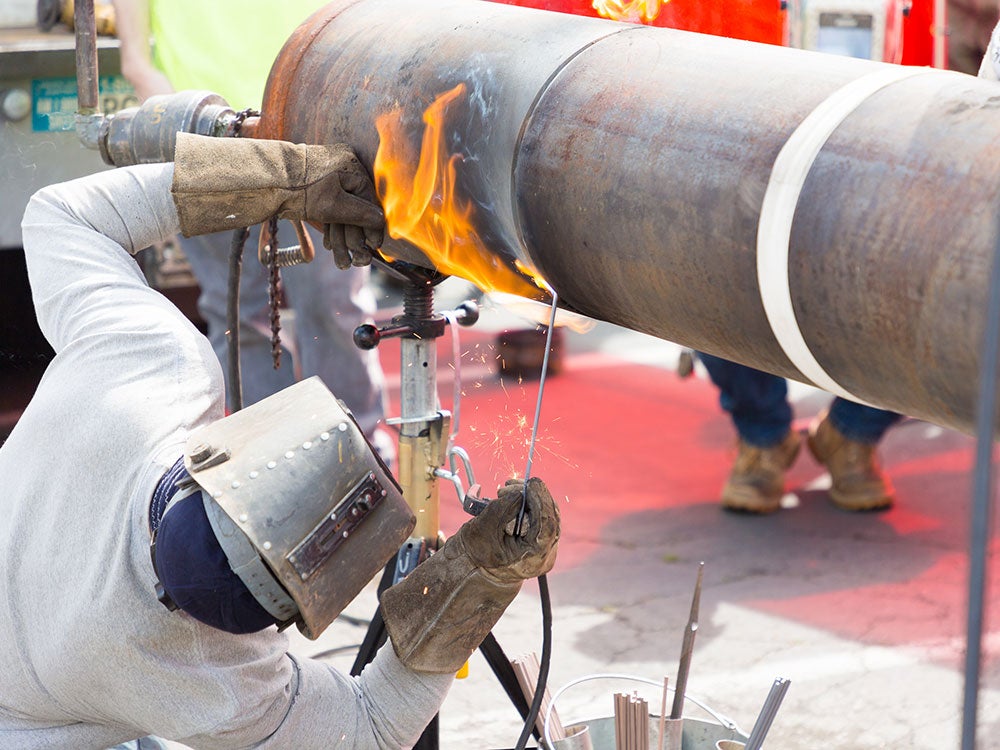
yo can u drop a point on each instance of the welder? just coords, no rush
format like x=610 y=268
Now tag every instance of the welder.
x=147 y=580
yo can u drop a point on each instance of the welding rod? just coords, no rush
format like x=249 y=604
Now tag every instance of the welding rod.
x=662 y=734
x=687 y=648
x=538 y=410
x=767 y=714
x=541 y=380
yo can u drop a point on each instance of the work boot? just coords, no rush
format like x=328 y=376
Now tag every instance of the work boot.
x=757 y=480
x=857 y=479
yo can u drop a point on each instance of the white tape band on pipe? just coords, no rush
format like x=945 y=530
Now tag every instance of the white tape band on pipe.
x=774 y=229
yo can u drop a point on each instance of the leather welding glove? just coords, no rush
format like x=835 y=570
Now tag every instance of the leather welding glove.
x=228 y=183
x=440 y=613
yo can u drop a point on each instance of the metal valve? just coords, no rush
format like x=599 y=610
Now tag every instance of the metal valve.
x=368 y=336
x=147 y=133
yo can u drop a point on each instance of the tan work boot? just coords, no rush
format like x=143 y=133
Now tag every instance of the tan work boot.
x=757 y=480
x=857 y=479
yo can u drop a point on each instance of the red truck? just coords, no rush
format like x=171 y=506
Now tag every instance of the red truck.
x=899 y=31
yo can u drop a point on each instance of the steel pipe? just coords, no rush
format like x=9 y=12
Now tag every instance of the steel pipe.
x=630 y=165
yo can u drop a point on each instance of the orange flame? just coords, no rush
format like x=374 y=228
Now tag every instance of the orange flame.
x=632 y=11
x=421 y=205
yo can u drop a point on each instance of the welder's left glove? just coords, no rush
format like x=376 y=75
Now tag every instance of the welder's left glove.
x=440 y=613
x=228 y=183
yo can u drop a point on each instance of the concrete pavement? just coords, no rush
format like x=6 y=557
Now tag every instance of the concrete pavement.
x=864 y=613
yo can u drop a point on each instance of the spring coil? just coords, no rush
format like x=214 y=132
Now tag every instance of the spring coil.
x=285 y=257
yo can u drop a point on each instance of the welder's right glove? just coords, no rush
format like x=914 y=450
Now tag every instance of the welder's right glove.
x=440 y=613
x=228 y=183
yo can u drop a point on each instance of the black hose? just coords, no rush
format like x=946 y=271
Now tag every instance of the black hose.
x=543 y=666
x=981 y=516
x=234 y=381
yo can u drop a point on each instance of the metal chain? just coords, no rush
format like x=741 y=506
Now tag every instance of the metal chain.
x=274 y=277
x=241 y=118
x=273 y=295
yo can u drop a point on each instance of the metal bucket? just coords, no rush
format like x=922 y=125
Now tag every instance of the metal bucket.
x=599 y=734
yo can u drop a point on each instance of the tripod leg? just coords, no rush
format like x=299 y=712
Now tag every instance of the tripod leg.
x=490 y=648
x=409 y=556
x=500 y=664
x=375 y=635
x=429 y=739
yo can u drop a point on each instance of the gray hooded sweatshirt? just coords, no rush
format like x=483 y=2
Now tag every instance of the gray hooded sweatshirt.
x=88 y=656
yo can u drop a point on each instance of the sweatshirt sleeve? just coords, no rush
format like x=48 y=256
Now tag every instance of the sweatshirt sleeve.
x=385 y=708
x=79 y=237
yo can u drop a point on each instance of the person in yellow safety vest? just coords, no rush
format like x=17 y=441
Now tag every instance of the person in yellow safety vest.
x=227 y=47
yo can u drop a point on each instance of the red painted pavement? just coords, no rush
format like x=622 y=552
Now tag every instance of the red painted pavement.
x=633 y=447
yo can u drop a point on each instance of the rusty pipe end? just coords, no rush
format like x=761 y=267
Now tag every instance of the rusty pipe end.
x=250 y=128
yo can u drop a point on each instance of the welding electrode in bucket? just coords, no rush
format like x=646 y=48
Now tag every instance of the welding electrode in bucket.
x=599 y=734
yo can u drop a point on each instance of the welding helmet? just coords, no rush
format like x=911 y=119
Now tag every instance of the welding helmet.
x=304 y=509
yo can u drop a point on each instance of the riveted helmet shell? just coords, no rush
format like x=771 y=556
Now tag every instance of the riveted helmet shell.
x=296 y=476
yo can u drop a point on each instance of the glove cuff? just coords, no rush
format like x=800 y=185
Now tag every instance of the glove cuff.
x=438 y=615
x=227 y=183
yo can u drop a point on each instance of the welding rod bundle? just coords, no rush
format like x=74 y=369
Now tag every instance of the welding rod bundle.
x=526 y=668
x=767 y=714
x=631 y=722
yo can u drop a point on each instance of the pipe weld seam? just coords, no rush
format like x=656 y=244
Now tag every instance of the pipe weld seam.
x=515 y=209
x=774 y=228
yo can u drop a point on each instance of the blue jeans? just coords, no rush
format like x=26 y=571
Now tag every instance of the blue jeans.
x=758 y=404
x=328 y=304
